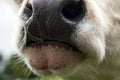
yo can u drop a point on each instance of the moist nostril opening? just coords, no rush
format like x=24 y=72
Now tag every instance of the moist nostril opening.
x=28 y=11
x=74 y=10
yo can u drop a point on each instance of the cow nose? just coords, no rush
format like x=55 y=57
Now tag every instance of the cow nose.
x=53 y=19
x=70 y=9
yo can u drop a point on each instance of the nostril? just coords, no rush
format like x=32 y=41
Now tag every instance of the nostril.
x=74 y=10
x=28 y=11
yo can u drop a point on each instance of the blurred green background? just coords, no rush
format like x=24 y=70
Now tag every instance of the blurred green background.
x=14 y=69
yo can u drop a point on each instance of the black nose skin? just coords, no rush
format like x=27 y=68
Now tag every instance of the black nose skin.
x=49 y=20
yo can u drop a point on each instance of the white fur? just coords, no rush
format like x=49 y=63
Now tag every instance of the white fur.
x=99 y=28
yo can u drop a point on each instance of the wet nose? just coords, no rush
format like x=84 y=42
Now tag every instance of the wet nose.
x=53 y=19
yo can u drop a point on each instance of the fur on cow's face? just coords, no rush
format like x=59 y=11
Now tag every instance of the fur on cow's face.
x=69 y=37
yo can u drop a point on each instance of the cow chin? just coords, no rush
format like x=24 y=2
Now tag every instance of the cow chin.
x=47 y=58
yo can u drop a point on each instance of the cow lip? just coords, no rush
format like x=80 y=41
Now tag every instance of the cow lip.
x=47 y=60
x=53 y=43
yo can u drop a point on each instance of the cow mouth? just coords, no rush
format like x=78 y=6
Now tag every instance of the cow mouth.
x=45 y=57
x=53 y=44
